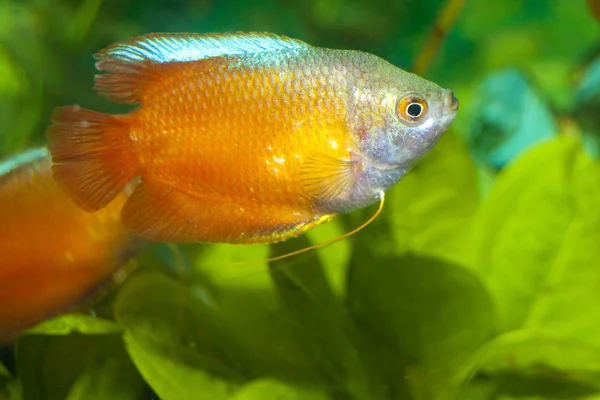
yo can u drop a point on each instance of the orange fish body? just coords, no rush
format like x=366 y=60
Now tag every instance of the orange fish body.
x=244 y=138
x=53 y=253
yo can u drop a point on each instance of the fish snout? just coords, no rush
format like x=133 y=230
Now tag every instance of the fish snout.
x=450 y=101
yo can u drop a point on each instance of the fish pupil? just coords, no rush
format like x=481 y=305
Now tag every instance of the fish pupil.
x=414 y=110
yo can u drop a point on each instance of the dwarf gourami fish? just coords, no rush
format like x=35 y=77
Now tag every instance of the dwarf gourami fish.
x=53 y=253
x=243 y=137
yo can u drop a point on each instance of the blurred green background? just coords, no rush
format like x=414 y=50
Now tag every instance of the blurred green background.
x=480 y=280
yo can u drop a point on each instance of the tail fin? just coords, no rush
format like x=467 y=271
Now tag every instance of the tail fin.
x=91 y=156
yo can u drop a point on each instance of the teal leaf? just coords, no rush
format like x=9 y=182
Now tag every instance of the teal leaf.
x=75 y=323
x=510 y=118
x=427 y=316
x=535 y=242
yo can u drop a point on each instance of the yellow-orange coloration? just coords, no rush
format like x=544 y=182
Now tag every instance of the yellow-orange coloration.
x=243 y=138
x=53 y=253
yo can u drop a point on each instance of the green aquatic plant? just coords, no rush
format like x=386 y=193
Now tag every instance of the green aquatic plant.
x=480 y=280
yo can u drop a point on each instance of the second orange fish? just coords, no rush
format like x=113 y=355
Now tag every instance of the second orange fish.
x=53 y=253
x=244 y=138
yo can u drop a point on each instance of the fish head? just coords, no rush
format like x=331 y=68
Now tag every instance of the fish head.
x=397 y=116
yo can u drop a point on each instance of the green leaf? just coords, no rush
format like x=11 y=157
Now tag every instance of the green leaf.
x=10 y=387
x=55 y=367
x=427 y=316
x=431 y=208
x=329 y=336
x=537 y=350
x=478 y=389
x=535 y=242
x=244 y=267
x=334 y=257
x=75 y=323
x=238 y=326
x=107 y=379
x=178 y=344
x=521 y=360
x=4 y=372
x=172 y=378
x=270 y=389
x=234 y=266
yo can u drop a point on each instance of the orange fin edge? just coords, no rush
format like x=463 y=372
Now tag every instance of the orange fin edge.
x=91 y=162
x=167 y=214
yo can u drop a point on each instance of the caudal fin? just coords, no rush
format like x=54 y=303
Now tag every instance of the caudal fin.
x=90 y=154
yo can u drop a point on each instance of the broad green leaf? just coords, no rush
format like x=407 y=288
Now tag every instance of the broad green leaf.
x=52 y=366
x=537 y=351
x=334 y=257
x=541 y=363
x=270 y=389
x=329 y=336
x=174 y=379
x=233 y=266
x=478 y=389
x=431 y=208
x=4 y=372
x=234 y=331
x=265 y=332
x=428 y=316
x=75 y=323
x=535 y=242
x=107 y=379
x=177 y=343
x=10 y=387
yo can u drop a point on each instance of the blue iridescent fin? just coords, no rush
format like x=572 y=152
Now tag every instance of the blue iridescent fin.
x=131 y=63
x=17 y=161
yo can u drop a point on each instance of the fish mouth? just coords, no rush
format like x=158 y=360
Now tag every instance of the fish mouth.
x=450 y=102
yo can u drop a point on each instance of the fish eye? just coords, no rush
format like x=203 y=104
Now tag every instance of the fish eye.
x=412 y=108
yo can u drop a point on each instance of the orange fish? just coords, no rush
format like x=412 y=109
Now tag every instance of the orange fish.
x=52 y=253
x=243 y=138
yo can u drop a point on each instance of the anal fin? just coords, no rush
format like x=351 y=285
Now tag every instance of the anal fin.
x=167 y=214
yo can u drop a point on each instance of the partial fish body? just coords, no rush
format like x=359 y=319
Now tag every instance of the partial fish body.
x=244 y=138
x=53 y=254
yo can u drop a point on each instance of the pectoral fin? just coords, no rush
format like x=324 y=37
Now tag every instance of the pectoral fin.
x=325 y=177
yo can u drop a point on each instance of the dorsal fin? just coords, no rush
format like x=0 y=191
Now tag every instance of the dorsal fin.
x=17 y=161
x=134 y=63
